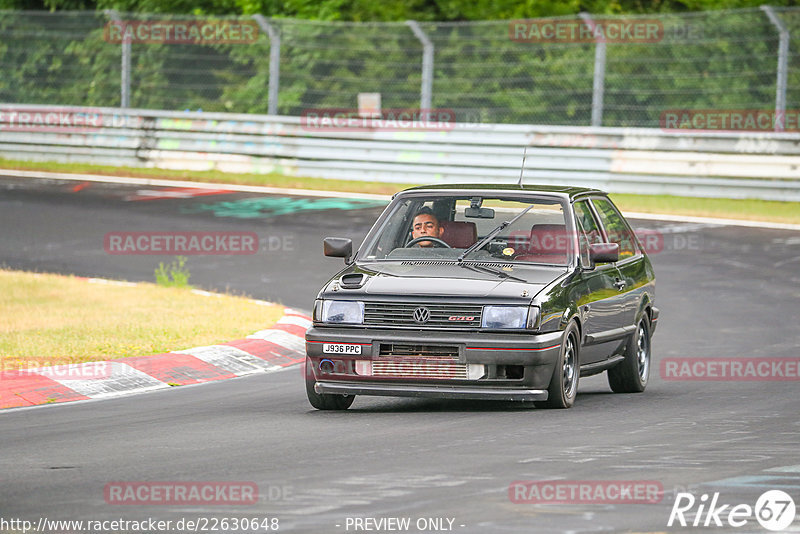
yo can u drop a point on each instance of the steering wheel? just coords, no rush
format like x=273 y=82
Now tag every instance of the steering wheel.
x=435 y=240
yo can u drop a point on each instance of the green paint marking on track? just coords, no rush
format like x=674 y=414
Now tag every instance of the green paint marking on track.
x=265 y=207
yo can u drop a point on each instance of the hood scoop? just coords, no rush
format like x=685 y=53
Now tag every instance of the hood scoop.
x=352 y=280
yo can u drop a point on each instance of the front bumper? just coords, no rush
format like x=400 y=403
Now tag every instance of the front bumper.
x=474 y=347
x=440 y=392
x=533 y=355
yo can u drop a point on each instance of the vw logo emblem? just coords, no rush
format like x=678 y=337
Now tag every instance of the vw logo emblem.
x=421 y=315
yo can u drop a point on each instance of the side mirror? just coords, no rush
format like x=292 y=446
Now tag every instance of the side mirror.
x=338 y=247
x=603 y=253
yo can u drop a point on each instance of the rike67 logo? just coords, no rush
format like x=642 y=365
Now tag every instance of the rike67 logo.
x=774 y=510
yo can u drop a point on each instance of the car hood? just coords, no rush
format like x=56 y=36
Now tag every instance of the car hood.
x=467 y=279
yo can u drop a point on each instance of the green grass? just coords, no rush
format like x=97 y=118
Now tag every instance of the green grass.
x=174 y=274
x=48 y=319
x=750 y=209
x=757 y=210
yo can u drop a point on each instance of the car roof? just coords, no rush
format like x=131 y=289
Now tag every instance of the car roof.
x=561 y=190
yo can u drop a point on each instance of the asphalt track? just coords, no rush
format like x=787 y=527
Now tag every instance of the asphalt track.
x=723 y=291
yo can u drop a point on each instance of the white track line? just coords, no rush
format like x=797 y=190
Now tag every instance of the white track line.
x=181 y=183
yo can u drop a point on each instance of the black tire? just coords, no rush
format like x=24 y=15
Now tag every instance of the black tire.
x=564 y=383
x=324 y=401
x=632 y=373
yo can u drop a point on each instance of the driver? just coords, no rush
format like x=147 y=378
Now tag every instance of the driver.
x=426 y=224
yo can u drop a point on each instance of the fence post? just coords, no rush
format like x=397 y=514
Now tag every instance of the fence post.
x=274 y=63
x=125 y=77
x=783 y=66
x=599 y=81
x=426 y=92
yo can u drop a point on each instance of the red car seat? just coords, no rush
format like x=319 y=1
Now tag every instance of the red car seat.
x=459 y=234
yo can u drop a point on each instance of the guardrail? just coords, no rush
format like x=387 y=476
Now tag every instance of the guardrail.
x=622 y=160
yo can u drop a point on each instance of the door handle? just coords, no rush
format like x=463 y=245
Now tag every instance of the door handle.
x=620 y=284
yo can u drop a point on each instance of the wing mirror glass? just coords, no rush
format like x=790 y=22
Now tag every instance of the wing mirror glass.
x=338 y=247
x=603 y=252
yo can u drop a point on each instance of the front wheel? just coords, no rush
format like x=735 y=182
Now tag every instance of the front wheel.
x=632 y=373
x=324 y=401
x=564 y=384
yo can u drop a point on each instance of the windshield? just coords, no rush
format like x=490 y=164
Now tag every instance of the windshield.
x=472 y=228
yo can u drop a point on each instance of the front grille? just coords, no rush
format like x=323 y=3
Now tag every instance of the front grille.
x=444 y=368
x=441 y=315
x=400 y=350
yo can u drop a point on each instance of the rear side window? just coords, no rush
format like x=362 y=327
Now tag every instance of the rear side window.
x=616 y=228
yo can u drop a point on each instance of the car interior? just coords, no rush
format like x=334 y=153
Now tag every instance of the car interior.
x=539 y=236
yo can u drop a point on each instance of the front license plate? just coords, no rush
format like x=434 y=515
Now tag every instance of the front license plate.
x=341 y=348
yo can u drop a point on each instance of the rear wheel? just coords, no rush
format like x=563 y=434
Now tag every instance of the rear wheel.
x=324 y=401
x=632 y=373
x=564 y=384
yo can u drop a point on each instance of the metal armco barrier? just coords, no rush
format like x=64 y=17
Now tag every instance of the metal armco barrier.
x=621 y=160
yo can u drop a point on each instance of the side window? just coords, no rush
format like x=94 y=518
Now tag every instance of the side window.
x=616 y=228
x=588 y=231
x=393 y=232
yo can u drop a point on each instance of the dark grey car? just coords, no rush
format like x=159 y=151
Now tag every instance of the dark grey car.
x=518 y=292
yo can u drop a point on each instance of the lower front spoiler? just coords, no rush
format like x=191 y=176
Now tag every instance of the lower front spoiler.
x=440 y=392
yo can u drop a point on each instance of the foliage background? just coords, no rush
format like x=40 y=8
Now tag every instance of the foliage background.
x=333 y=49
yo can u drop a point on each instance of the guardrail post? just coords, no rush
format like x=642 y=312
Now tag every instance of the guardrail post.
x=426 y=92
x=599 y=81
x=783 y=66
x=274 y=63
x=125 y=76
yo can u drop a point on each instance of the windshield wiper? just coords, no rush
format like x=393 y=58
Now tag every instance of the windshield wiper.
x=488 y=237
x=485 y=269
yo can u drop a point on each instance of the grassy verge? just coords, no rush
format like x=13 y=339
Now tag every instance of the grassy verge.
x=48 y=319
x=751 y=209
x=761 y=210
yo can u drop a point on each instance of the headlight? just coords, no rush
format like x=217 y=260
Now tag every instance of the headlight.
x=342 y=311
x=504 y=317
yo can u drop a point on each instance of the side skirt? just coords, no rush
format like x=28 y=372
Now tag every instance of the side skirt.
x=598 y=367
